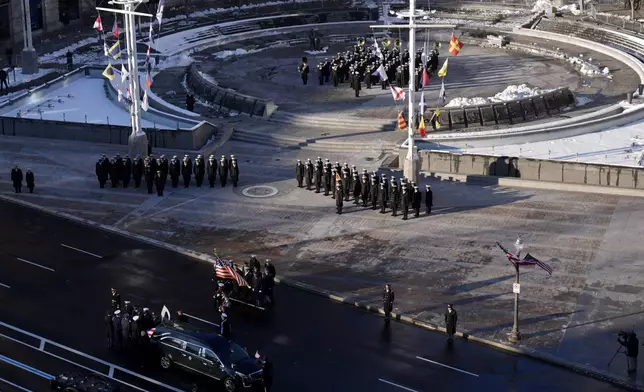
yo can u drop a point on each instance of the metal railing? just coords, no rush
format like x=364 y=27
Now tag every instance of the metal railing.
x=44 y=344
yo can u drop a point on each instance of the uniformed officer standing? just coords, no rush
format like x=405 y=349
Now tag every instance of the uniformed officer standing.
x=223 y=170
x=327 y=180
x=388 y=298
x=125 y=327
x=405 y=202
x=335 y=76
x=160 y=183
x=101 y=174
x=429 y=199
x=224 y=327
x=175 y=171
x=137 y=171
x=334 y=182
x=321 y=73
x=154 y=164
x=199 y=170
x=109 y=330
x=127 y=171
x=416 y=201
x=309 y=174
x=186 y=171
x=149 y=174
x=118 y=329
x=114 y=174
x=107 y=169
x=373 y=193
x=346 y=182
x=304 y=70
x=395 y=199
x=366 y=187
x=299 y=173
x=318 y=174
x=211 y=171
x=234 y=171
x=338 y=200
x=383 y=198
x=164 y=167
x=357 y=188
x=116 y=300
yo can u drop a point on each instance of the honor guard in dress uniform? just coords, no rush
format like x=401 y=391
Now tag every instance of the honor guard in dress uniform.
x=199 y=170
x=385 y=182
x=148 y=173
x=164 y=168
x=319 y=166
x=357 y=188
x=326 y=67
x=309 y=174
x=116 y=300
x=31 y=180
x=127 y=171
x=373 y=193
x=411 y=193
x=405 y=202
x=383 y=198
x=338 y=200
x=299 y=173
x=388 y=299
x=346 y=182
x=211 y=171
x=334 y=75
x=186 y=171
x=234 y=171
x=366 y=187
x=327 y=180
x=321 y=73
x=175 y=171
x=303 y=69
x=429 y=199
x=153 y=163
x=417 y=197
x=356 y=84
x=393 y=183
x=334 y=175
x=395 y=199
x=114 y=173
x=338 y=168
x=223 y=170
x=137 y=171
x=101 y=174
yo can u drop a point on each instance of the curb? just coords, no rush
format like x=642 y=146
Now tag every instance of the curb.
x=585 y=370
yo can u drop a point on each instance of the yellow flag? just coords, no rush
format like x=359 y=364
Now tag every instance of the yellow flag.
x=443 y=71
x=437 y=113
x=109 y=72
x=337 y=177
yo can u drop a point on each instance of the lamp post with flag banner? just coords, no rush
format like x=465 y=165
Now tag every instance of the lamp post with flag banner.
x=138 y=140
x=411 y=166
x=517 y=261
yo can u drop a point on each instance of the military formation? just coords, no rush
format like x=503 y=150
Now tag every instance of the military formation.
x=359 y=66
x=126 y=325
x=260 y=285
x=345 y=184
x=155 y=172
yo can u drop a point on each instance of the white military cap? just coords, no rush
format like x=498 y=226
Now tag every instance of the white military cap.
x=224 y=315
x=117 y=312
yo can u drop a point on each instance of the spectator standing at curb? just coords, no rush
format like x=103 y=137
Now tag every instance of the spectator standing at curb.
x=29 y=177
x=16 y=179
x=451 y=318
x=388 y=298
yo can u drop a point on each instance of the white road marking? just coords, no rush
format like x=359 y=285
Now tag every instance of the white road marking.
x=37 y=265
x=447 y=366
x=82 y=251
x=15 y=385
x=4 y=285
x=397 y=385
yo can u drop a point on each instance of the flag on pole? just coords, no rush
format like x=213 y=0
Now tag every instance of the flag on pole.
x=528 y=260
x=160 y=12
x=443 y=71
x=224 y=271
x=98 y=24
x=441 y=95
x=425 y=77
x=124 y=73
x=151 y=34
x=398 y=93
x=127 y=93
x=109 y=72
x=148 y=80
x=115 y=50
x=421 y=127
x=402 y=124
x=120 y=94
x=145 y=105
x=435 y=118
x=378 y=51
x=106 y=49
x=115 y=28
x=455 y=45
x=422 y=103
x=338 y=177
x=381 y=73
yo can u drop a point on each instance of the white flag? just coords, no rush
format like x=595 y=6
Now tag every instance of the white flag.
x=160 y=12
x=165 y=313
x=124 y=73
x=422 y=103
x=120 y=94
x=381 y=72
x=441 y=94
x=105 y=48
x=145 y=105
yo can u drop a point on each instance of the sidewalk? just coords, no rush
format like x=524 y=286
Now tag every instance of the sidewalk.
x=592 y=241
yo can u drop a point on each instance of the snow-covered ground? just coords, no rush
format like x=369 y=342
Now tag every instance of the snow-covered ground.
x=619 y=146
x=16 y=76
x=81 y=101
x=511 y=93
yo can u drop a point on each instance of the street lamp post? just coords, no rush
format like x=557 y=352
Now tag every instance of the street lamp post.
x=29 y=57
x=515 y=335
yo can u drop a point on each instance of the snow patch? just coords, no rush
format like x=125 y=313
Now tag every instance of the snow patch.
x=180 y=60
x=314 y=52
x=542 y=5
x=208 y=78
x=50 y=57
x=16 y=76
x=581 y=101
x=511 y=93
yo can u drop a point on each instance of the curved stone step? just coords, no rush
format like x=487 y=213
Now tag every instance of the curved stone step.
x=338 y=120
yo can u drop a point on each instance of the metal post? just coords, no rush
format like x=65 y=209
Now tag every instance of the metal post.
x=515 y=335
x=28 y=58
x=411 y=164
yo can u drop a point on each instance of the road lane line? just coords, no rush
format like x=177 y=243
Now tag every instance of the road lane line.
x=15 y=385
x=397 y=385
x=28 y=368
x=82 y=251
x=35 y=264
x=447 y=366
x=202 y=320
x=4 y=285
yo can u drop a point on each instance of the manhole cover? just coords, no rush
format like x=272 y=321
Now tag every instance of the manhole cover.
x=260 y=191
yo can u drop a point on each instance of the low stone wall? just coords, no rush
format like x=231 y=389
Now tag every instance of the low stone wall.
x=529 y=169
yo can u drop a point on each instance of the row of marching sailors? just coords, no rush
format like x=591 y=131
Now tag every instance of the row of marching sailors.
x=127 y=327
x=156 y=171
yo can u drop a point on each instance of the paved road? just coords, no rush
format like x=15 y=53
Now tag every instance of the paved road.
x=316 y=345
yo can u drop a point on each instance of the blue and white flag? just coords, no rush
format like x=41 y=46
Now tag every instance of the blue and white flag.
x=381 y=72
x=377 y=51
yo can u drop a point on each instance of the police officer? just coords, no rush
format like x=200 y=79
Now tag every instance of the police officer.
x=186 y=171
x=429 y=199
x=373 y=193
x=234 y=172
x=299 y=173
x=199 y=170
x=137 y=171
x=338 y=200
x=127 y=171
x=153 y=163
x=223 y=171
x=405 y=201
x=417 y=197
x=29 y=177
x=326 y=67
x=388 y=298
x=164 y=167
x=224 y=327
x=366 y=187
x=159 y=183
x=149 y=174
x=395 y=199
x=318 y=174
x=211 y=170
x=174 y=169
x=309 y=174
x=357 y=188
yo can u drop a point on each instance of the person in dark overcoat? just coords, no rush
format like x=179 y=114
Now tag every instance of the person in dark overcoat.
x=451 y=318
x=429 y=199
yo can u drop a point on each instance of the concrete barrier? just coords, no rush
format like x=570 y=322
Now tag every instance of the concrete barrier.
x=538 y=170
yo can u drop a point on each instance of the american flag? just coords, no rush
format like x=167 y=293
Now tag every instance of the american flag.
x=224 y=271
x=528 y=260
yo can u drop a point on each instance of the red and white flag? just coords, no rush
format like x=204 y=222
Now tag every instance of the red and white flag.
x=98 y=24
x=115 y=28
x=148 y=81
x=398 y=93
